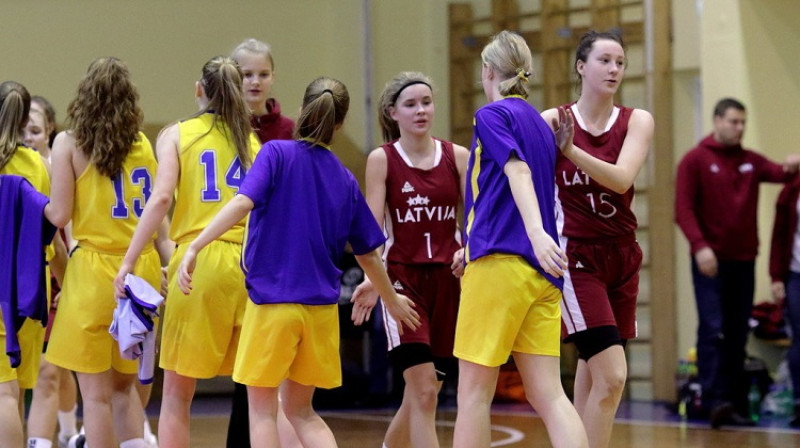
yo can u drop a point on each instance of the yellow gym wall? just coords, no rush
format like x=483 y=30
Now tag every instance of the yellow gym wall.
x=49 y=44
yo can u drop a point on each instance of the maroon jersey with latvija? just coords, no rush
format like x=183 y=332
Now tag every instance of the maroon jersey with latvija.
x=588 y=209
x=421 y=206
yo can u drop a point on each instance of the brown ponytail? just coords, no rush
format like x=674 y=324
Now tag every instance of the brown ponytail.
x=222 y=83
x=15 y=104
x=325 y=105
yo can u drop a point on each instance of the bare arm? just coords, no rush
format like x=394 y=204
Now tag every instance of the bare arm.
x=233 y=212
x=375 y=180
x=156 y=208
x=550 y=256
x=164 y=245
x=59 y=263
x=62 y=191
x=462 y=158
x=366 y=296
x=618 y=176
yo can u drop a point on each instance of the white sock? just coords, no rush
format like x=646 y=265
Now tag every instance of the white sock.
x=67 y=423
x=133 y=443
x=38 y=442
x=147 y=430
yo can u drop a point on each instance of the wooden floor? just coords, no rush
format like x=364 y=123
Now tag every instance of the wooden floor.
x=365 y=429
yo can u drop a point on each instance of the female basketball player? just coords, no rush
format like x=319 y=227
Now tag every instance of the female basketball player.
x=595 y=187
x=55 y=394
x=20 y=160
x=258 y=74
x=305 y=208
x=511 y=291
x=420 y=181
x=103 y=168
x=202 y=162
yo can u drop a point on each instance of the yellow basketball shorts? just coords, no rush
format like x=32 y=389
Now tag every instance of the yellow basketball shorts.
x=31 y=341
x=79 y=339
x=200 y=332
x=289 y=340
x=506 y=306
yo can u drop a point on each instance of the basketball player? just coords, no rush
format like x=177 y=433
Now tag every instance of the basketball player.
x=305 y=208
x=103 y=168
x=202 y=163
x=415 y=186
x=595 y=188
x=511 y=286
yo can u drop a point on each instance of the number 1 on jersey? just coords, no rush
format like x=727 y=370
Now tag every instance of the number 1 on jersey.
x=428 y=243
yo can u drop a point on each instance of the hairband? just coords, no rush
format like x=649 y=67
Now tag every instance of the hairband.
x=523 y=74
x=408 y=84
x=327 y=90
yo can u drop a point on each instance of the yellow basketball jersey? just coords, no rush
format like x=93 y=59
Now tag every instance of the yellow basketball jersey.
x=106 y=210
x=210 y=177
x=29 y=164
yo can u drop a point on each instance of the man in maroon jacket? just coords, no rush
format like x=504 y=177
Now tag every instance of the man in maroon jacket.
x=716 y=203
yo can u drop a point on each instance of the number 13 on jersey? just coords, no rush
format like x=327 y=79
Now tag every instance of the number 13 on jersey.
x=141 y=180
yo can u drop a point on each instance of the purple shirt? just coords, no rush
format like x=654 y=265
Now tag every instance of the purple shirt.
x=25 y=232
x=493 y=222
x=307 y=208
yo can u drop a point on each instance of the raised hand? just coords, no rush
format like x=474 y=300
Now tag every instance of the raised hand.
x=564 y=129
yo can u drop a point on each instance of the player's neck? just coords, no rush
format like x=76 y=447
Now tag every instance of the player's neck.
x=595 y=110
x=417 y=144
x=258 y=109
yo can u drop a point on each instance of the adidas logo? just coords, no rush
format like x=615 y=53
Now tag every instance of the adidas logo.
x=397 y=285
x=407 y=188
x=578 y=264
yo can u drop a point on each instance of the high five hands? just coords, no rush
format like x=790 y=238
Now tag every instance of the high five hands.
x=564 y=129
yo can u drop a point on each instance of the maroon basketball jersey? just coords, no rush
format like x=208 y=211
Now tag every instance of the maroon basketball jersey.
x=588 y=209
x=421 y=207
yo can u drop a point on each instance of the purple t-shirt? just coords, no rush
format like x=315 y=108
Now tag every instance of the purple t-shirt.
x=25 y=231
x=307 y=208
x=493 y=222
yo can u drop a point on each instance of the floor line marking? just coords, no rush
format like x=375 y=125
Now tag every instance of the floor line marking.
x=512 y=435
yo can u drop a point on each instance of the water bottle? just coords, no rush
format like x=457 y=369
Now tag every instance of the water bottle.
x=754 y=400
x=691 y=358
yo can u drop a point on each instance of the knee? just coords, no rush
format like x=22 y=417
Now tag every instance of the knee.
x=471 y=396
x=425 y=398
x=610 y=386
x=48 y=381
x=296 y=412
x=178 y=388
x=9 y=390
